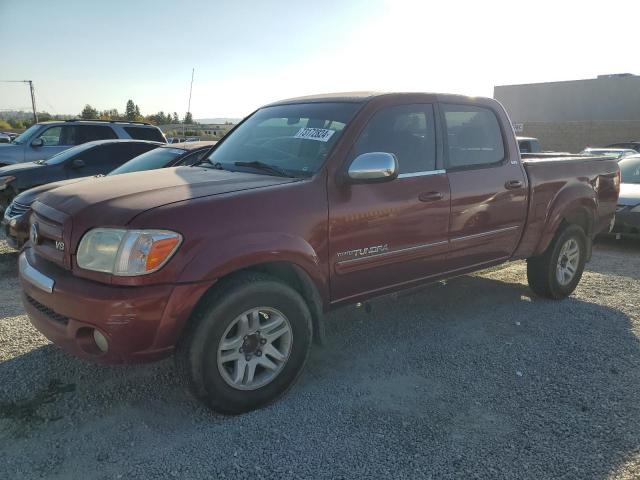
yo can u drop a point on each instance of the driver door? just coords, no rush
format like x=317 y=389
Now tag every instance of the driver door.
x=385 y=235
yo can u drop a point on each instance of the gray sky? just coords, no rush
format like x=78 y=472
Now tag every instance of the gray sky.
x=250 y=52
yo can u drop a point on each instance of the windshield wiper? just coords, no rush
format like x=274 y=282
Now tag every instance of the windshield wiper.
x=266 y=167
x=206 y=163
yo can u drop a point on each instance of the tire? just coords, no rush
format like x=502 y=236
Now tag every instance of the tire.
x=227 y=313
x=543 y=272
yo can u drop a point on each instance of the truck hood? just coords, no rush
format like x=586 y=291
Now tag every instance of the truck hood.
x=29 y=196
x=629 y=194
x=115 y=200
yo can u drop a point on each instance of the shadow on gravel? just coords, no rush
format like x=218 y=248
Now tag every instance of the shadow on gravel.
x=8 y=263
x=623 y=245
x=475 y=379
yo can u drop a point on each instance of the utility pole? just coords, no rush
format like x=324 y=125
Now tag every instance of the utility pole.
x=189 y=106
x=31 y=91
x=33 y=101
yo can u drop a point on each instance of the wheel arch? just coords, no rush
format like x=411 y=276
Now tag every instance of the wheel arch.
x=573 y=208
x=290 y=274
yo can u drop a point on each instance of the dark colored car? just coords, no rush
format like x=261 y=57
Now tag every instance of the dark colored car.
x=306 y=205
x=628 y=212
x=91 y=158
x=633 y=145
x=529 y=145
x=15 y=223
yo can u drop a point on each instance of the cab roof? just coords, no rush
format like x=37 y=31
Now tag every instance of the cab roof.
x=365 y=96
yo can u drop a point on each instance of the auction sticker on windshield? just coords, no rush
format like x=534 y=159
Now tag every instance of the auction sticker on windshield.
x=320 y=134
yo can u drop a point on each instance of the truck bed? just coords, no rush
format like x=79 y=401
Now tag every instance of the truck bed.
x=556 y=182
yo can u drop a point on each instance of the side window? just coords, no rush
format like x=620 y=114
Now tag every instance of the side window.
x=145 y=133
x=473 y=136
x=120 y=153
x=192 y=158
x=407 y=131
x=60 y=135
x=88 y=133
x=94 y=156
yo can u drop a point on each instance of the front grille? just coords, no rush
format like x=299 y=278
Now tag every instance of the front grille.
x=50 y=238
x=16 y=209
x=56 y=317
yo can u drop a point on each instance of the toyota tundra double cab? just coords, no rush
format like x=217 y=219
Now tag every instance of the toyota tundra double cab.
x=307 y=205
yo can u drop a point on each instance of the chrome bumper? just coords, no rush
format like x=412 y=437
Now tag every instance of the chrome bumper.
x=33 y=276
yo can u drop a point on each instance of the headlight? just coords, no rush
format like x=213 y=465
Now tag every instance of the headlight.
x=126 y=252
x=4 y=181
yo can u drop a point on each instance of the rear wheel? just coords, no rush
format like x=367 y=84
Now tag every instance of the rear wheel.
x=247 y=344
x=557 y=272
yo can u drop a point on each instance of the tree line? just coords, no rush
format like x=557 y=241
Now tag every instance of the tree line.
x=132 y=114
x=17 y=120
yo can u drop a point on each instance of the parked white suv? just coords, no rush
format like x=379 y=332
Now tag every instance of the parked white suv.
x=43 y=140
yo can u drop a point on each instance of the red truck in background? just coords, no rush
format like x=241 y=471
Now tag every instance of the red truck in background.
x=308 y=204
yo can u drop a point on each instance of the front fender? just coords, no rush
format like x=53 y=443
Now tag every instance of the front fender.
x=211 y=262
x=574 y=201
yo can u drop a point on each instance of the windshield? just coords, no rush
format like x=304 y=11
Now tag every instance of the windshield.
x=630 y=170
x=68 y=154
x=294 y=139
x=26 y=135
x=156 y=158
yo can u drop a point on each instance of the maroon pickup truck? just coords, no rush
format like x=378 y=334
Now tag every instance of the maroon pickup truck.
x=307 y=205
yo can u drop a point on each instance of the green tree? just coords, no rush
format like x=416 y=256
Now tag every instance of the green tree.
x=175 y=118
x=188 y=118
x=4 y=125
x=111 y=114
x=88 y=112
x=130 y=111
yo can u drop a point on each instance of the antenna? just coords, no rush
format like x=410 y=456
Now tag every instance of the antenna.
x=189 y=106
x=33 y=95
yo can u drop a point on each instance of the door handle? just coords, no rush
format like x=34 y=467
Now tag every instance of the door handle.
x=513 y=184
x=430 y=196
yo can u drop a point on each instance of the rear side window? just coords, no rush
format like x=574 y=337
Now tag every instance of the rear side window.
x=473 y=136
x=89 y=133
x=120 y=153
x=407 y=131
x=145 y=133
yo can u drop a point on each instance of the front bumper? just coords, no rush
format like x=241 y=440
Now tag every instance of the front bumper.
x=15 y=230
x=140 y=323
x=627 y=222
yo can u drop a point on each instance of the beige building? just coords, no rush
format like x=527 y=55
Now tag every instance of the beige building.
x=568 y=116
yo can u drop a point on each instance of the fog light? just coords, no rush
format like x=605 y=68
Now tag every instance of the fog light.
x=101 y=341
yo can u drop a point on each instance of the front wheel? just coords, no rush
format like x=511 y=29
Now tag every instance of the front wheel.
x=557 y=272
x=247 y=344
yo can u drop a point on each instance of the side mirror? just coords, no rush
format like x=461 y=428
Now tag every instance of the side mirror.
x=77 y=163
x=373 y=167
x=38 y=142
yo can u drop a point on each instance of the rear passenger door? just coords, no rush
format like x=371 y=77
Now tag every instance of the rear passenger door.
x=383 y=235
x=488 y=186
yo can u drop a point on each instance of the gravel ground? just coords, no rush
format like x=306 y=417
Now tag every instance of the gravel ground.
x=475 y=379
